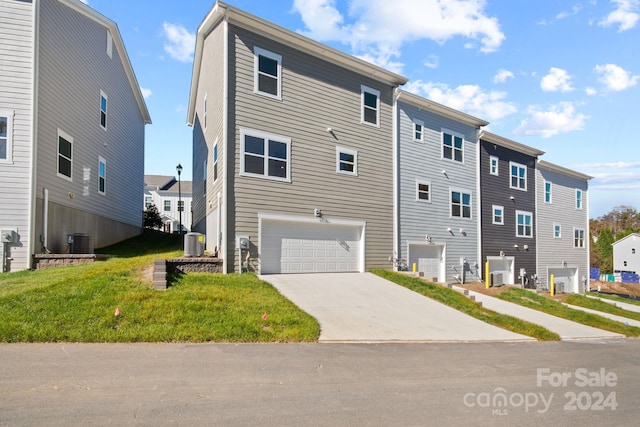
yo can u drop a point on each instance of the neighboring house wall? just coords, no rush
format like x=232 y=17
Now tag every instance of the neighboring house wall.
x=626 y=254
x=421 y=163
x=564 y=255
x=16 y=79
x=75 y=71
x=507 y=245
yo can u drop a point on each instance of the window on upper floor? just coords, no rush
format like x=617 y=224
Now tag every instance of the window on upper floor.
x=204 y=176
x=633 y=251
x=518 y=176
x=452 y=146
x=460 y=204
x=418 y=130
x=547 y=192
x=167 y=205
x=109 y=44
x=148 y=201
x=6 y=136
x=180 y=205
x=578 y=238
x=102 y=175
x=578 y=199
x=268 y=73
x=204 y=112
x=370 y=99
x=103 y=110
x=524 y=224
x=493 y=165
x=423 y=190
x=65 y=155
x=265 y=155
x=346 y=161
x=215 y=161
x=557 y=231
x=498 y=214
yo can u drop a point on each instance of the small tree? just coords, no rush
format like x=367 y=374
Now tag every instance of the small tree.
x=152 y=218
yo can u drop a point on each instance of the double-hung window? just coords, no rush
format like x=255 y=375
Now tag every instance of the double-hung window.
x=346 y=161
x=452 y=146
x=265 y=155
x=65 y=155
x=518 y=176
x=167 y=205
x=103 y=110
x=557 y=231
x=547 y=192
x=423 y=190
x=215 y=162
x=268 y=73
x=460 y=204
x=418 y=130
x=102 y=175
x=524 y=224
x=493 y=165
x=498 y=214
x=578 y=237
x=148 y=201
x=6 y=134
x=578 y=199
x=370 y=106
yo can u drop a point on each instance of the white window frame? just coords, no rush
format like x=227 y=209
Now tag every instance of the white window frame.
x=9 y=144
x=579 y=199
x=166 y=202
x=204 y=111
x=420 y=182
x=557 y=227
x=548 y=192
x=494 y=163
x=511 y=176
x=105 y=111
x=204 y=176
x=462 y=205
x=109 y=44
x=579 y=241
x=349 y=151
x=453 y=135
x=257 y=53
x=216 y=156
x=102 y=178
x=493 y=214
x=62 y=134
x=418 y=130
x=363 y=90
x=525 y=214
x=148 y=201
x=244 y=132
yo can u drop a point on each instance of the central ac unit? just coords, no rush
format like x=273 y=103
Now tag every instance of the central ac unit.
x=194 y=244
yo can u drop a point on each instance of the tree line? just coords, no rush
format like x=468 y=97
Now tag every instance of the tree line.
x=607 y=229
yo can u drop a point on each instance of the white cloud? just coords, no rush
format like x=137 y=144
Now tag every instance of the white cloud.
x=377 y=29
x=180 y=43
x=433 y=61
x=625 y=15
x=615 y=165
x=574 y=11
x=146 y=92
x=559 y=118
x=591 y=91
x=85 y=1
x=616 y=181
x=558 y=80
x=502 y=76
x=615 y=78
x=471 y=99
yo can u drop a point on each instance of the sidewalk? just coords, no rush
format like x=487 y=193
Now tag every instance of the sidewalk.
x=624 y=320
x=623 y=305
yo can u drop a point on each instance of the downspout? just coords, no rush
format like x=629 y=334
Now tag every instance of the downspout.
x=226 y=149
x=396 y=180
x=479 y=262
x=45 y=221
x=31 y=242
x=218 y=225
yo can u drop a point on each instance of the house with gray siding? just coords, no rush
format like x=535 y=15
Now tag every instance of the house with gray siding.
x=293 y=150
x=626 y=254
x=438 y=198
x=508 y=214
x=72 y=125
x=562 y=232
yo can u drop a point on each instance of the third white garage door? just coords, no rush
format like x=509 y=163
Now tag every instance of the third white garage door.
x=304 y=247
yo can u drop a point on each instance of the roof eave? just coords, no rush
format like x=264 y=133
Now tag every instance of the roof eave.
x=440 y=109
x=513 y=145
x=563 y=170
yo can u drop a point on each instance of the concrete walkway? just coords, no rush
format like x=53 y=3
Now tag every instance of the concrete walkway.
x=623 y=305
x=362 y=307
x=623 y=320
x=567 y=329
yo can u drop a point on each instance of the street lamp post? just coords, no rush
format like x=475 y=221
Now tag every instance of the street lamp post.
x=179 y=169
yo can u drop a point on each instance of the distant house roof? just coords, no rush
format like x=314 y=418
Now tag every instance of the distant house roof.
x=168 y=184
x=632 y=235
x=185 y=187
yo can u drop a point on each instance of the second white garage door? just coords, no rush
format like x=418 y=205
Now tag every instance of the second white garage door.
x=298 y=247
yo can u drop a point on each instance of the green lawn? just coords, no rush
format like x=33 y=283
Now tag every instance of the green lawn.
x=548 y=305
x=614 y=298
x=78 y=304
x=460 y=302
x=605 y=307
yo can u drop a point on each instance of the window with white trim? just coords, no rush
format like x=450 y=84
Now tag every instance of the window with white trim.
x=204 y=112
x=578 y=199
x=65 y=155
x=167 y=205
x=180 y=205
x=498 y=214
x=265 y=155
x=493 y=165
x=6 y=136
x=518 y=176
x=370 y=99
x=452 y=146
x=204 y=177
x=547 y=191
x=346 y=161
x=102 y=175
x=267 y=73
x=103 y=110
x=418 y=130
x=460 y=204
x=524 y=224
x=148 y=201
x=557 y=231
x=423 y=190
x=578 y=238
x=215 y=161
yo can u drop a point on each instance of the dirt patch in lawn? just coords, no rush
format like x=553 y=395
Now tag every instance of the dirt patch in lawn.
x=616 y=288
x=480 y=288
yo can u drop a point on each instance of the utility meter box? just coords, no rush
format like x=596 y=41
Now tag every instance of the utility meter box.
x=9 y=236
x=243 y=242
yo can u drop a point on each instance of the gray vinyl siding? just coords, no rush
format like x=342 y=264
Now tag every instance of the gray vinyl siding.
x=562 y=210
x=74 y=68
x=316 y=95
x=16 y=77
x=496 y=191
x=423 y=160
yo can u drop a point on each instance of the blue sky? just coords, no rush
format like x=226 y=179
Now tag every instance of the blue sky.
x=561 y=76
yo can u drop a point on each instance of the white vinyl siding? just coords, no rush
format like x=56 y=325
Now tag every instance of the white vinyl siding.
x=346 y=161
x=268 y=73
x=370 y=106
x=518 y=176
x=6 y=136
x=265 y=155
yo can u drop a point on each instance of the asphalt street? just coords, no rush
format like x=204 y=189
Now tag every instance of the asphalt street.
x=587 y=382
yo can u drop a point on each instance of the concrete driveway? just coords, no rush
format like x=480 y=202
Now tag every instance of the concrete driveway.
x=362 y=307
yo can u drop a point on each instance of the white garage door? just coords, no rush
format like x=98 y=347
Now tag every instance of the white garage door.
x=428 y=259
x=292 y=247
x=565 y=279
